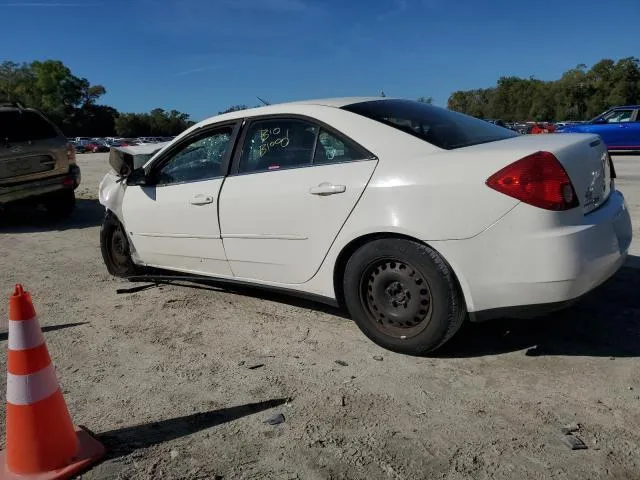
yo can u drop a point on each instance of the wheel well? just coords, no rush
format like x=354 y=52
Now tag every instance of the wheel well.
x=349 y=249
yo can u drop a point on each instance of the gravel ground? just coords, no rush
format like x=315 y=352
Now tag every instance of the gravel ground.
x=178 y=381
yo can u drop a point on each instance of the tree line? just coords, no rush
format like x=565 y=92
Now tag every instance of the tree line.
x=581 y=93
x=71 y=103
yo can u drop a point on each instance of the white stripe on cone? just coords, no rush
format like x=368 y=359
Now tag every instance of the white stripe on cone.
x=25 y=334
x=28 y=389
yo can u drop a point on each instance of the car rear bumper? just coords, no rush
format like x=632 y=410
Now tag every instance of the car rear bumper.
x=517 y=269
x=20 y=191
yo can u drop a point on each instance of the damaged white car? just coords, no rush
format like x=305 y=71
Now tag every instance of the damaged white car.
x=411 y=216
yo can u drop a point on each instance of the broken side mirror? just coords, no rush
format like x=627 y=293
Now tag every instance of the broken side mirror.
x=121 y=162
x=137 y=177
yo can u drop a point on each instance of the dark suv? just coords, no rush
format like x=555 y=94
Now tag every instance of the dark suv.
x=37 y=163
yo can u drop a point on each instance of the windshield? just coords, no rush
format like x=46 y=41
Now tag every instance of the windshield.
x=442 y=128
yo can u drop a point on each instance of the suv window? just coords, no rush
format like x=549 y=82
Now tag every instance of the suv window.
x=332 y=149
x=277 y=144
x=442 y=128
x=22 y=126
x=199 y=159
x=618 y=116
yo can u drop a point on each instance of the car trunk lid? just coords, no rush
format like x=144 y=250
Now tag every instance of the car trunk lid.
x=584 y=157
x=591 y=169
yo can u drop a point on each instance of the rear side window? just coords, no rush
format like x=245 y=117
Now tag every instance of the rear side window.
x=440 y=127
x=332 y=149
x=22 y=126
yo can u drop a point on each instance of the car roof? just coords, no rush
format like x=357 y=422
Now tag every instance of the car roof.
x=625 y=106
x=336 y=102
x=278 y=107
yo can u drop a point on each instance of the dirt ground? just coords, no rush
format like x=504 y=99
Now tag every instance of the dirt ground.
x=179 y=381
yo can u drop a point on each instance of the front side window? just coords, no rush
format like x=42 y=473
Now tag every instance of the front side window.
x=278 y=144
x=200 y=159
x=442 y=128
x=618 y=116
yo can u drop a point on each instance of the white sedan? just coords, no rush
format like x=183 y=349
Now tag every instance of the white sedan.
x=412 y=217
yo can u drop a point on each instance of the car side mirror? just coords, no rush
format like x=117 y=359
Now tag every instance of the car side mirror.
x=599 y=121
x=138 y=177
x=120 y=161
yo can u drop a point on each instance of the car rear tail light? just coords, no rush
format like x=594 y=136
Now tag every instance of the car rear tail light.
x=539 y=180
x=71 y=153
x=68 y=182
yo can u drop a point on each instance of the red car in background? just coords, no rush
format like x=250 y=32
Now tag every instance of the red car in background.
x=543 y=127
x=95 y=147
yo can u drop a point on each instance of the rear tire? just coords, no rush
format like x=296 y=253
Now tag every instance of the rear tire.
x=61 y=204
x=403 y=296
x=115 y=248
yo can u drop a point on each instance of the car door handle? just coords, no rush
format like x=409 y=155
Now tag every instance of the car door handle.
x=327 y=188
x=201 y=199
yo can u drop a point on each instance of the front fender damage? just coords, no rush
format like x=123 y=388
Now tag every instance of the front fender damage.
x=111 y=192
x=110 y=195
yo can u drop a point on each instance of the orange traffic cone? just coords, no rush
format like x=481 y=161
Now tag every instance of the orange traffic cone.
x=42 y=442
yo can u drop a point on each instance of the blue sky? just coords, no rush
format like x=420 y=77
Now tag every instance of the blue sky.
x=200 y=56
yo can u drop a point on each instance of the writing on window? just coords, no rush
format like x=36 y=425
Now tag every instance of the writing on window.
x=278 y=144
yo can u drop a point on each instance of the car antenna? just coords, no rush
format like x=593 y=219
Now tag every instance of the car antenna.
x=263 y=101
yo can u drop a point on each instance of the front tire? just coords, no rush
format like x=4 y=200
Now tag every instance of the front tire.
x=115 y=248
x=403 y=296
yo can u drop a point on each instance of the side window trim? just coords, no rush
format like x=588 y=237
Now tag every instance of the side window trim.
x=246 y=127
x=194 y=136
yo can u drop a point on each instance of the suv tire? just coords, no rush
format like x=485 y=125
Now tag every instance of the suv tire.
x=61 y=204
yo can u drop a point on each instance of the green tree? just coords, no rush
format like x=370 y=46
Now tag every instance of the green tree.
x=158 y=122
x=50 y=87
x=93 y=121
x=579 y=94
x=72 y=102
x=233 y=108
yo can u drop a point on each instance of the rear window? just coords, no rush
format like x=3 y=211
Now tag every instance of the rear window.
x=22 y=126
x=440 y=127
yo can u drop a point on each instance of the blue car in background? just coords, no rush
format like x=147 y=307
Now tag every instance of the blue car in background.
x=618 y=127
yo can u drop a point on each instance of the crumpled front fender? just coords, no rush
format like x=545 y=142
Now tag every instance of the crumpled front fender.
x=111 y=192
